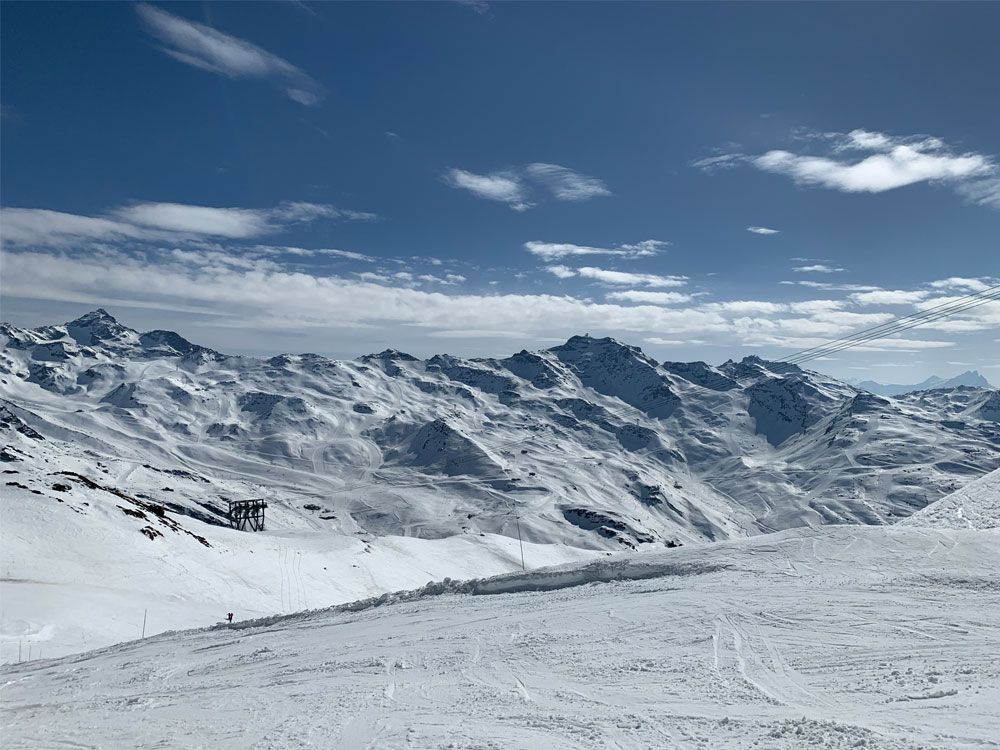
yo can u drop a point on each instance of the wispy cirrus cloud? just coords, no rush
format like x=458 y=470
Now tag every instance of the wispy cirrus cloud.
x=206 y=48
x=161 y=222
x=481 y=7
x=763 y=230
x=827 y=286
x=650 y=298
x=617 y=278
x=305 y=252
x=565 y=184
x=556 y=250
x=818 y=268
x=518 y=185
x=505 y=187
x=864 y=161
x=889 y=297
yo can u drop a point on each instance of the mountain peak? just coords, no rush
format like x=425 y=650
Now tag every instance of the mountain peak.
x=98 y=325
x=588 y=342
x=389 y=354
x=100 y=315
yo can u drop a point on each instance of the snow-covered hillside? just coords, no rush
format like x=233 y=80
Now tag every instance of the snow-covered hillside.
x=836 y=637
x=121 y=450
x=975 y=506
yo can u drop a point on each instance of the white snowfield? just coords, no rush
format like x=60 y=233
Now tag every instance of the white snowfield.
x=836 y=637
x=78 y=576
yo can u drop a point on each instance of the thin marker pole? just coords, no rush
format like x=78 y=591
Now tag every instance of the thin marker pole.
x=19 y=652
x=144 y=612
x=517 y=521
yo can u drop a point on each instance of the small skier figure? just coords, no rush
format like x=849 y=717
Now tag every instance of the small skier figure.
x=229 y=616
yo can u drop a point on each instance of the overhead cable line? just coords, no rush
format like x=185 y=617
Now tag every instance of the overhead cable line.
x=938 y=312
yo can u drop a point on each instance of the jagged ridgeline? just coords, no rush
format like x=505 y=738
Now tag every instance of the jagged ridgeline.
x=590 y=443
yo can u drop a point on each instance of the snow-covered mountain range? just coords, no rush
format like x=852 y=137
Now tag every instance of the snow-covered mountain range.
x=971 y=378
x=591 y=442
x=387 y=470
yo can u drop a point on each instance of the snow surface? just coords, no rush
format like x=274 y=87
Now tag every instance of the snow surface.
x=975 y=506
x=835 y=637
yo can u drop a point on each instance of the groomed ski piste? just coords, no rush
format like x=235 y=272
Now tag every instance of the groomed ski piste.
x=834 y=637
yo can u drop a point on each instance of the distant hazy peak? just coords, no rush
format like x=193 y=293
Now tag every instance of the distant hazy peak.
x=968 y=378
x=390 y=354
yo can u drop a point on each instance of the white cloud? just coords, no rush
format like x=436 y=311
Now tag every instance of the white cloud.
x=296 y=299
x=203 y=47
x=983 y=316
x=479 y=333
x=37 y=226
x=606 y=276
x=904 y=165
x=510 y=186
x=834 y=287
x=748 y=307
x=814 y=306
x=649 y=298
x=865 y=140
x=448 y=279
x=657 y=341
x=556 y=250
x=717 y=163
x=236 y=223
x=889 y=297
x=964 y=284
x=818 y=268
x=985 y=192
x=481 y=7
x=315 y=252
x=763 y=230
x=160 y=222
x=562 y=272
x=505 y=187
x=565 y=184
x=885 y=163
x=257 y=293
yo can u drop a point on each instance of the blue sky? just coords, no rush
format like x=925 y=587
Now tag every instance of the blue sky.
x=703 y=180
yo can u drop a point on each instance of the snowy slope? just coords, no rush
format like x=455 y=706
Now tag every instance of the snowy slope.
x=975 y=506
x=434 y=466
x=83 y=563
x=839 y=637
